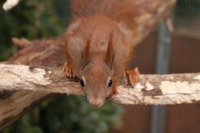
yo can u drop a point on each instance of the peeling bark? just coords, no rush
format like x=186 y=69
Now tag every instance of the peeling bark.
x=150 y=90
x=165 y=89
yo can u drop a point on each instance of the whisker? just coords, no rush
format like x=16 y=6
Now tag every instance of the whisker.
x=77 y=101
x=113 y=105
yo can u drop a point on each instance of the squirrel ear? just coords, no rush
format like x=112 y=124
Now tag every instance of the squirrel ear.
x=86 y=53
x=72 y=27
x=110 y=53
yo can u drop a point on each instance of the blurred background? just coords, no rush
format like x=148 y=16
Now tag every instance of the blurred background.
x=162 y=52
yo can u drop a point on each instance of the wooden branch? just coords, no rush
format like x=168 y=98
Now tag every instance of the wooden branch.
x=150 y=17
x=13 y=104
x=151 y=90
x=22 y=77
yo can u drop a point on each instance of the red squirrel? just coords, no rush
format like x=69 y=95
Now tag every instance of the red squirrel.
x=98 y=47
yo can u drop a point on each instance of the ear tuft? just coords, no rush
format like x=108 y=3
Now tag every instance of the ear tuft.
x=86 y=53
x=110 y=53
x=73 y=26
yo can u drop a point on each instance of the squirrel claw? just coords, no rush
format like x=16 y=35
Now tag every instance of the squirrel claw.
x=132 y=76
x=68 y=70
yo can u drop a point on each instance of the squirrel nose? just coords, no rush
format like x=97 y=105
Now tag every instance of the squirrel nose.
x=96 y=103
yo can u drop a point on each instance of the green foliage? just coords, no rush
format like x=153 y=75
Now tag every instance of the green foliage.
x=35 y=19
x=30 y=19
x=63 y=114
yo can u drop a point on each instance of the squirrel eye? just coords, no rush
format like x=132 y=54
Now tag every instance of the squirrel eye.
x=82 y=83
x=110 y=83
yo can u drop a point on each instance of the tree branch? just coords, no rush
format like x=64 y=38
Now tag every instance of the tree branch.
x=151 y=90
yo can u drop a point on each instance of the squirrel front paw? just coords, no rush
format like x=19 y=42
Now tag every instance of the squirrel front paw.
x=68 y=70
x=132 y=76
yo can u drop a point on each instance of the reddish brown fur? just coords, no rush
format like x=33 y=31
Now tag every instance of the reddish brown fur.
x=119 y=10
x=99 y=45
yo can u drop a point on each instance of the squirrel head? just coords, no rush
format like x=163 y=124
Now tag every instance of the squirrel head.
x=97 y=75
x=97 y=83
